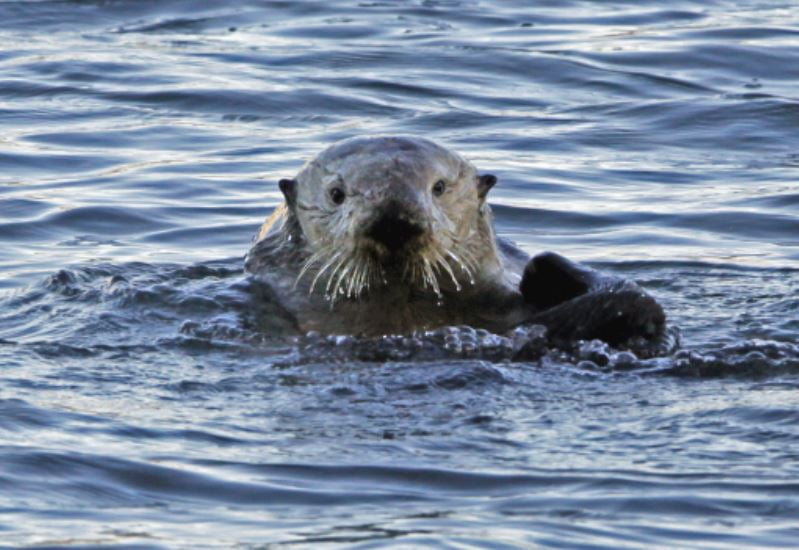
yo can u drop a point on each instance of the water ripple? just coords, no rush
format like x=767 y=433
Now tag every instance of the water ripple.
x=147 y=387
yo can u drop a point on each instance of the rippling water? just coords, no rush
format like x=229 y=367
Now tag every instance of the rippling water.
x=140 y=143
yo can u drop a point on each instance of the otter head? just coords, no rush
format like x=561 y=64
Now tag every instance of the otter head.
x=398 y=209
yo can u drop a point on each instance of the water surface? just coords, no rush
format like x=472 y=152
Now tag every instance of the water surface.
x=140 y=143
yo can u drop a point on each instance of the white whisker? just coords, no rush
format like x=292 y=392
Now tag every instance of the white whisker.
x=324 y=268
x=352 y=287
x=338 y=287
x=440 y=260
x=331 y=277
x=460 y=263
x=430 y=277
x=312 y=259
x=363 y=279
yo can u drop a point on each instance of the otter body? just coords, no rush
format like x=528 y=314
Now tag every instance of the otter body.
x=388 y=235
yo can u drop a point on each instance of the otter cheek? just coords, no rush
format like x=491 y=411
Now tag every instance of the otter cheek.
x=312 y=231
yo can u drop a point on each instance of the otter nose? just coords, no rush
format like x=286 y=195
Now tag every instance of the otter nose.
x=392 y=229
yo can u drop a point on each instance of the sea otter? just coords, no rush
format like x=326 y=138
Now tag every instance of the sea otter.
x=389 y=235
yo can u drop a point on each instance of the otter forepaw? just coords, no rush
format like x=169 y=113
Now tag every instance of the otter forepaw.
x=575 y=302
x=550 y=279
x=613 y=315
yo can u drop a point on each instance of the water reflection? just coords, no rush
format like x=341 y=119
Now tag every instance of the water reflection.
x=140 y=146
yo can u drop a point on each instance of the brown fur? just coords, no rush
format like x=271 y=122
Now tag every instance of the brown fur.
x=335 y=279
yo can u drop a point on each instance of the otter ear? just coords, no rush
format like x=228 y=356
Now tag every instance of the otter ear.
x=484 y=184
x=289 y=189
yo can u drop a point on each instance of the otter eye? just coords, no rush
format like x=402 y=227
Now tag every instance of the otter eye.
x=337 y=195
x=439 y=187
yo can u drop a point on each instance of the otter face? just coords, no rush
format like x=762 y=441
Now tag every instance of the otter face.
x=388 y=208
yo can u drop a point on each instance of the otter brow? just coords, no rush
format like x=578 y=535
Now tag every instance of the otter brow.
x=306 y=206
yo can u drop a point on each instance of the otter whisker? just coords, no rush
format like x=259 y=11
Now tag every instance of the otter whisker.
x=363 y=280
x=332 y=275
x=337 y=288
x=355 y=284
x=470 y=258
x=312 y=259
x=430 y=277
x=423 y=275
x=346 y=278
x=352 y=285
x=440 y=260
x=340 y=272
x=353 y=289
x=463 y=265
x=324 y=268
x=368 y=274
x=365 y=273
x=412 y=273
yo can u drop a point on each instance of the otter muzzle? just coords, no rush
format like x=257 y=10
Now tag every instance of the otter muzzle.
x=392 y=229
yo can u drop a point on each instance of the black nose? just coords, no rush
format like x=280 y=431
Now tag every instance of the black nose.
x=393 y=230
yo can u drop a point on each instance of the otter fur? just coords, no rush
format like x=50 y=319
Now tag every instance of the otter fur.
x=393 y=234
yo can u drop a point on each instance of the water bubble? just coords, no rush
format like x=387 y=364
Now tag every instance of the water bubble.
x=623 y=359
x=587 y=365
x=594 y=350
x=342 y=340
x=467 y=330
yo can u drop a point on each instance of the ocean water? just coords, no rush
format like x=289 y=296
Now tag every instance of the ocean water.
x=140 y=145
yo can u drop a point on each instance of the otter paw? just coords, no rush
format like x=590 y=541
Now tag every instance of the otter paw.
x=550 y=279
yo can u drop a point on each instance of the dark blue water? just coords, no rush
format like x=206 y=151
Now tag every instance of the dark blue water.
x=140 y=143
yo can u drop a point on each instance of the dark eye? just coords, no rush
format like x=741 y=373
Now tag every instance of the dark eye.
x=439 y=187
x=337 y=195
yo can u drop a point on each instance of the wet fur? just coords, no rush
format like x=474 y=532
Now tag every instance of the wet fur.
x=333 y=279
